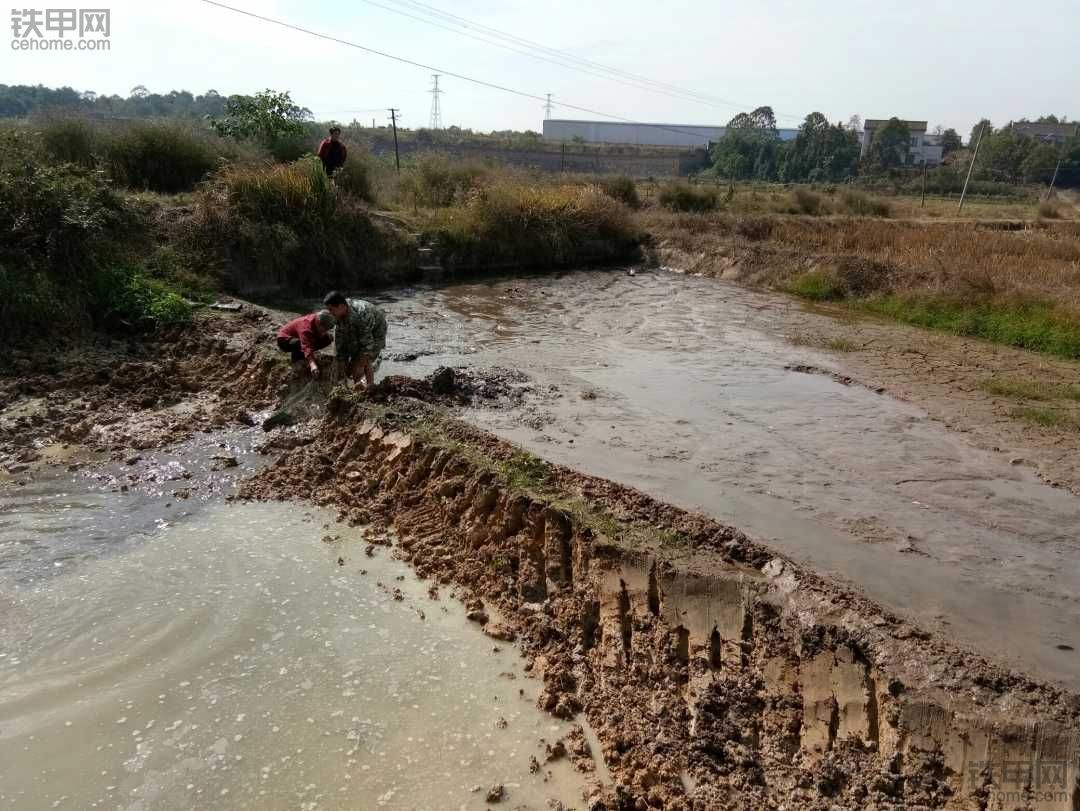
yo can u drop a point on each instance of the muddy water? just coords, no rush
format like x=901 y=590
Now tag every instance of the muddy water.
x=678 y=386
x=213 y=655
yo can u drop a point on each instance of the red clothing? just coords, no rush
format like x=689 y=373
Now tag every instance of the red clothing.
x=332 y=154
x=304 y=330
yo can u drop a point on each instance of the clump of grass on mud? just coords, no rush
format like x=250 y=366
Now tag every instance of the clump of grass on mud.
x=1030 y=389
x=535 y=227
x=1048 y=417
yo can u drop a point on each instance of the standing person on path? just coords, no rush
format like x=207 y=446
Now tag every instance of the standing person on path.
x=332 y=151
x=304 y=336
x=360 y=335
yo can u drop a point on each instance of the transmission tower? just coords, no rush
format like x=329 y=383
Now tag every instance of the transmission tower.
x=547 y=107
x=436 y=108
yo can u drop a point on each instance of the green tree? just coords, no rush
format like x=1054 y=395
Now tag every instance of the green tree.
x=974 y=138
x=890 y=146
x=1002 y=155
x=820 y=152
x=950 y=141
x=267 y=117
x=750 y=148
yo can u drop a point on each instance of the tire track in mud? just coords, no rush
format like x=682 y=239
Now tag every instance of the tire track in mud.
x=715 y=673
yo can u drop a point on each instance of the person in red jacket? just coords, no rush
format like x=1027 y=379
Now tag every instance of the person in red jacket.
x=304 y=336
x=332 y=151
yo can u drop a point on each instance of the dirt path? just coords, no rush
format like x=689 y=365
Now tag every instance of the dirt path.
x=694 y=391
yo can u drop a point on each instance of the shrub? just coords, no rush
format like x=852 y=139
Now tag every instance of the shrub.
x=357 y=176
x=807 y=202
x=159 y=157
x=62 y=262
x=288 y=226
x=71 y=140
x=862 y=205
x=537 y=227
x=288 y=147
x=816 y=285
x=684 y=197
x=1049 y=210
x=436 y=181
x=621 y=188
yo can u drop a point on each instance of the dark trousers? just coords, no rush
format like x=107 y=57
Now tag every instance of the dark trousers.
x=292 y=346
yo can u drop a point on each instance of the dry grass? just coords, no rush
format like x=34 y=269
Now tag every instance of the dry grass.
x=1008 y=282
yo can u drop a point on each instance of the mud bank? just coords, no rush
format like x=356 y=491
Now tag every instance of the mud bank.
x=716 y=673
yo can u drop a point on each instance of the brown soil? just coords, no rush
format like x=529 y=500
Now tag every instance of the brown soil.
x=716 y=673
x=114 y=396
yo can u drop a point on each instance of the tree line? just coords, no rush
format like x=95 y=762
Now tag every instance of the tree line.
x=822 y=152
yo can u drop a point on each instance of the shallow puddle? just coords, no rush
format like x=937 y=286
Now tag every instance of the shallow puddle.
x=244 y=656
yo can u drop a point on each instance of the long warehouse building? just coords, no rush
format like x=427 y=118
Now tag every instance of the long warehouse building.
x=639 y=133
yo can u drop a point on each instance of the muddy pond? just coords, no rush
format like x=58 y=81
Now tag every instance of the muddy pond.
x=159 y=651
x=688 y=389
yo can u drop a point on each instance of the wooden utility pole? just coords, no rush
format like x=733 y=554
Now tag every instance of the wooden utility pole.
x=923 y=203
x=397 y=156
x=971 y=166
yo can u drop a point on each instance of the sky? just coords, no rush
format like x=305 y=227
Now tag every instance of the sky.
x=947 y=63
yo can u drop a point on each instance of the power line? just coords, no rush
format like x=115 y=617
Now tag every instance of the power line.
x=443 y=72
x=556 y=57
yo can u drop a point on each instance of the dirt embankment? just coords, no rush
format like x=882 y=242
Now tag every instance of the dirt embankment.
x=117 y=396
x=716 y=673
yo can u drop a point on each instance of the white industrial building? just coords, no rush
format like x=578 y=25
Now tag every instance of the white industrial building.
x=639 y=133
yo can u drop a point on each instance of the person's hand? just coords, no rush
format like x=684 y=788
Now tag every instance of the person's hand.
x=314 y=367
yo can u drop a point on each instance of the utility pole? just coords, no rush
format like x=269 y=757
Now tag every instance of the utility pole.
x=436 y=109
x=547 y=107
x=923 y=203
x=562 y=157
x=393 y=122
x=1054 y=178
x=971 y=166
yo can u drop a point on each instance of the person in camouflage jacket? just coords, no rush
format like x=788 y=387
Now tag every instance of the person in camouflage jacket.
x=360 y=335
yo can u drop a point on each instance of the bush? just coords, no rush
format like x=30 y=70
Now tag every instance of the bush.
x=621 y=188
x=357 y=176
x=71 y=140
x=807 y=202
x=436 y=181
x=288 y=226
x=537 y=227
x=159 y=157
x=62 y=264
x=684 y=197
x=288 y=147
x=1049 y=210
x=862 y=205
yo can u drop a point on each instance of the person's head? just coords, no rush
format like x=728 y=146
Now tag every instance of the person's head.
x=324 y=322
x=335 y=133
x=336 y=303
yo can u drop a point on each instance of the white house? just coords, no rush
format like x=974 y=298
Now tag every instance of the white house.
x=925 y=147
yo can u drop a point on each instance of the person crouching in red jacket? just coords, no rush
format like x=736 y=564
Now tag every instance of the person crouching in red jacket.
x=304 y=336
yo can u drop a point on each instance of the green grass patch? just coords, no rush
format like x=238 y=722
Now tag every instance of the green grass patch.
x=1048 y=417
x=816 y=285
x=1038 y=326
x=1023 y=389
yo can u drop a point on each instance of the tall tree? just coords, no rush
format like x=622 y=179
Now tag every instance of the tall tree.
x=950 y=141
x=989 y=129
x=890 y=146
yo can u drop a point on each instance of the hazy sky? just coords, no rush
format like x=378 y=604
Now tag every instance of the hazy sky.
x=949 y=63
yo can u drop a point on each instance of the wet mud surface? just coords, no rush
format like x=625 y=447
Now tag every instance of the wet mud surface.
x=693 y=390
x=715 y=673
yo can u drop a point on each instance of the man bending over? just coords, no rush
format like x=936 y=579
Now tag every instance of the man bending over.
x=304 y=336
x=360 y=335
